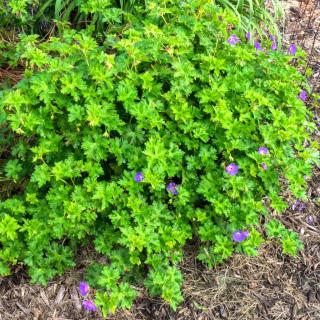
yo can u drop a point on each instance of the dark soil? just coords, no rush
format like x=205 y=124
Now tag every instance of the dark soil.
x=270 y=286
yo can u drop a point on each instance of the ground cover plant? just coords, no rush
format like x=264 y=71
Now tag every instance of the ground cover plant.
x=47 y=16
x=43 y=16
x=176 y=128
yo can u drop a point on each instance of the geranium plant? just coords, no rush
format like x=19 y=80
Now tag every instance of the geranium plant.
x=166 y=132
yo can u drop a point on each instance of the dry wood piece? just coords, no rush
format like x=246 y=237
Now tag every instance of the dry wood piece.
x=60 y=295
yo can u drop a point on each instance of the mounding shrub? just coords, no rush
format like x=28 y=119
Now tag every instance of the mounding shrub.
x=171 y=130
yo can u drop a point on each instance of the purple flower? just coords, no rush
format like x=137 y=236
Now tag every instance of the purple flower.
x=310 y=220
x=232 y=169
x=263 y=150
x=274 y=46
x=303 y=95
x=138 y=177
x=248 y=36
x=303 y=206
x=271 y=37
x=264 y=166
x=83 y=288
x=257 y=45
x=298 y=205
x=233 y=40
x=239 y=235
x=292 y=49
x=172 y=188
x=89 y=305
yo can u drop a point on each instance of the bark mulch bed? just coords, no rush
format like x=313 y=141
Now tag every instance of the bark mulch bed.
x=303 y=27
x=268 y=287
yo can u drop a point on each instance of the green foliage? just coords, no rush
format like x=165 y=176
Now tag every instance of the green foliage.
x=43 y=16
x=168 y=97
x=122 y=296
x=290 y=241
x=253 y=13
x=13 y=169
x=166 y=282
x=275 y=228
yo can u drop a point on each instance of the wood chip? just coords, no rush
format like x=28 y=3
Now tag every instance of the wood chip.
x=60 y=295
x=44 y=298
x=75 y=298
x=22 y=292
x=21 y=307
x=36 y=313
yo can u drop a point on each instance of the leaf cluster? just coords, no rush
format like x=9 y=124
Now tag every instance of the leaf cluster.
x=43 y=16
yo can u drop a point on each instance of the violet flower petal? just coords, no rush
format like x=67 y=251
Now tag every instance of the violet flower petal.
x=83 y=288
x=172 y=188
x=232 y=169
x=292 y=49
x=310 y=220
x=263 y=150
x=303 y=95
x=239 y=235
x=89 y=305
x=233 y=40
x=138 y=177
x=257 y=45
